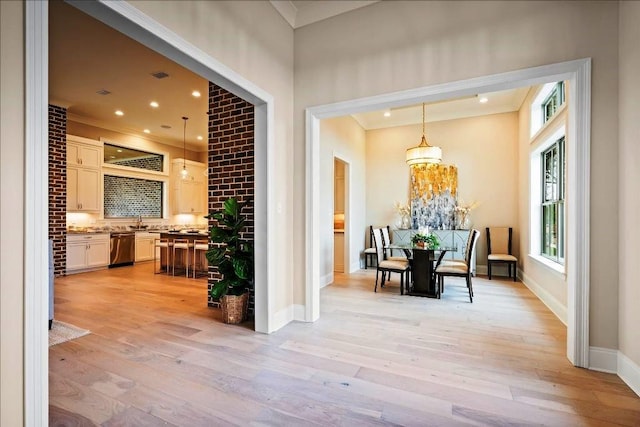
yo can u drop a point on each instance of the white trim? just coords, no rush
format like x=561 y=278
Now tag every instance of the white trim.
x=551 y=265
x=326 y=280
x=629 y=372
x=578 y=72
x=36 y=204
x=547 y=299
x=603 y=360
x=132 y=22
x=283 y=316
x=355 y=266
x=298 y=312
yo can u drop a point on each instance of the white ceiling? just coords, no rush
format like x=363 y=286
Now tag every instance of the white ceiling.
x=87 y=56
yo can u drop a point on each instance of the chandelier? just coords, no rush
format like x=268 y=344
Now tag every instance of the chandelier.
x=423 y=153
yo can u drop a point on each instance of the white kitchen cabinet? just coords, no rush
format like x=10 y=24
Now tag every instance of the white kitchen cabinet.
x=145 y=246
x=189 y=193
x=87 y=252
x=83 y=190
x=84 y=152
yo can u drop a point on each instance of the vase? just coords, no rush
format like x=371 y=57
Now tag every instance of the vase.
x=234 y=308
x=405 y=222
x=464 y=222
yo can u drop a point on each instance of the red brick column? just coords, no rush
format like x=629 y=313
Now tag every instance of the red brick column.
x=58 y=187
x=231 y=159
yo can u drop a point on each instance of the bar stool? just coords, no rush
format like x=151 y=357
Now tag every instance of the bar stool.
x=161 y=243
x=183 y=245
x=199 y=245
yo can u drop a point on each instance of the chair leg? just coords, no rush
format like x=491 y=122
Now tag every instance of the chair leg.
x=401 y=283
x=470 y=286
x=375 y=289
x=514 y=271
x=489 y=268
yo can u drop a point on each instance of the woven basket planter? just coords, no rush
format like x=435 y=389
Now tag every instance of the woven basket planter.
x=234 y=308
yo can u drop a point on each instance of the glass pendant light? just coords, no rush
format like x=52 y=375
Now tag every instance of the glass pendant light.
x=184 y=171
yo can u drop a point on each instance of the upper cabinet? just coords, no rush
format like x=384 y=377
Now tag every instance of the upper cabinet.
x=84 y=157
x=83 y=152
x=190 y=190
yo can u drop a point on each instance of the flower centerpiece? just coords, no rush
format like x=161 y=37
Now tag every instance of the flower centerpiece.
x=463 y=215
x=404 y=212
x=429 y=241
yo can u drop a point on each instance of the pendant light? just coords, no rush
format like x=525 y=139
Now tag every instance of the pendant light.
x=184 y=171
x=423 y=153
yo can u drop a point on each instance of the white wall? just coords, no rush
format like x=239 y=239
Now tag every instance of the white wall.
x=629 y=175
x=11 y=213
x=344 y=138
x=253 y=39
x=393 y=46
x=548 y=284
x=485 y=150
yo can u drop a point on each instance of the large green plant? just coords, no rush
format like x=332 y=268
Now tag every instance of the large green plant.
x=230 y=253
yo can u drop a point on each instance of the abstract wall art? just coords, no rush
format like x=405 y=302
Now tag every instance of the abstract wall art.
x=433 y=193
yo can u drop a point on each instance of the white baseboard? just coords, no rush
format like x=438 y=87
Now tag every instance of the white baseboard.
x=547 y=299
x=288 y=314
x=326 y=280
x=603 y=360
x=629 y=372
x=355 y=266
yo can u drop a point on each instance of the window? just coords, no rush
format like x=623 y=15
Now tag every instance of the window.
x=131 y=158
x=552 y=102
x=552 y=215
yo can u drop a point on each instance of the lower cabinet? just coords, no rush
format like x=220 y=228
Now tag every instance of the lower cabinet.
x=449 y=238
x=87 y=252
x=145 y=246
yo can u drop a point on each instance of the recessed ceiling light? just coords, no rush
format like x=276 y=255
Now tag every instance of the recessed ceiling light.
x=484 y=100
x=387 y=113
x=154 y=104
x=112 y=157
x=196 y=94
x=199 y=138
x=146 y=131
x=119 y=113
x=119 y=150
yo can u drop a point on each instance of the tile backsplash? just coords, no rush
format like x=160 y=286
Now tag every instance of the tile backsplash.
x=129 y=197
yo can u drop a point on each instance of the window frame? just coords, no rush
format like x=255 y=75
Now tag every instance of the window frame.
x=556 y=201
x=555 y=99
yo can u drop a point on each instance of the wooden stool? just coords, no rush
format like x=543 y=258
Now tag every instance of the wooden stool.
x=199 y=245
x=182 y=244
x=165 y=244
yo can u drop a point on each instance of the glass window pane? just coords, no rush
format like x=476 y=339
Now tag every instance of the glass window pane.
x=129 y=157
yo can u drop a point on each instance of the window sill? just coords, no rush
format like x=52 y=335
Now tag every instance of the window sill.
x=558 y=268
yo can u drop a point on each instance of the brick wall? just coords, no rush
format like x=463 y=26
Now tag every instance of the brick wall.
x=58 y=187
x=231 y=159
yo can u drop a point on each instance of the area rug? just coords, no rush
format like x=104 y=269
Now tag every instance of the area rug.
x=61 y=332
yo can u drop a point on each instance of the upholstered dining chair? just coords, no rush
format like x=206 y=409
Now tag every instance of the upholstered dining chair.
x=499 y=249
x=370 y=252
x=458 y=269
x=388 y=266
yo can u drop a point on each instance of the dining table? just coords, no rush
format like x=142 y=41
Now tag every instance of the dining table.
x=423 y=261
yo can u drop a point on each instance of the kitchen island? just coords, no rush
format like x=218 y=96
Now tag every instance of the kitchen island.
x=166 y=259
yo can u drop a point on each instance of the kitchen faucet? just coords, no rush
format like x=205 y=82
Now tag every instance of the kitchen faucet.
x=139 y=222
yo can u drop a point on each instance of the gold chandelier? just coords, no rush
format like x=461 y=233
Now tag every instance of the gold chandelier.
x=423 y=153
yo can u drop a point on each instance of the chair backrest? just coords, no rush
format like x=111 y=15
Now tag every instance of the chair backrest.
x=377 y=238
x=499 y=240
x=473 y=236
x=371 y=243
x=386 y=240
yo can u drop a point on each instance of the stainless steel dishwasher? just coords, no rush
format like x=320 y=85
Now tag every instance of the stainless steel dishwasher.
x=123 y=248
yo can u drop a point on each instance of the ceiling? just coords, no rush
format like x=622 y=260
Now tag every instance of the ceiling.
x=299 y=13
x=86 y=56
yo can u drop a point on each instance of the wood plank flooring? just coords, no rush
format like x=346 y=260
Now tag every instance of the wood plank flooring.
x=158 y=356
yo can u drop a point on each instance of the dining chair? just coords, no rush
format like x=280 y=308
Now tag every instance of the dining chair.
x=370 y=252
x=200 y=246
x=459 y=269
x=499 y=249
x=387 y=265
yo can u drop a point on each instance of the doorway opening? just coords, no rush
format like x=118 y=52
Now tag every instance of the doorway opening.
x=340 y=216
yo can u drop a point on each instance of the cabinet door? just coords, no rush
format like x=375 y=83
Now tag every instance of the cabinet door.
x=88 y=189
x=72 y=189
x=90 y=156
x=144 y=249
x=190 y=196
x=73 y=156
x=98 y=253
x=76 y=256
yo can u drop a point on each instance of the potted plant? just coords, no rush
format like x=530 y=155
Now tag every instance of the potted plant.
x=233 y=256
x=429 y=241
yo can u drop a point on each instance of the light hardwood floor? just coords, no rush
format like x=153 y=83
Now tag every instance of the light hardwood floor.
x=157 y=355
